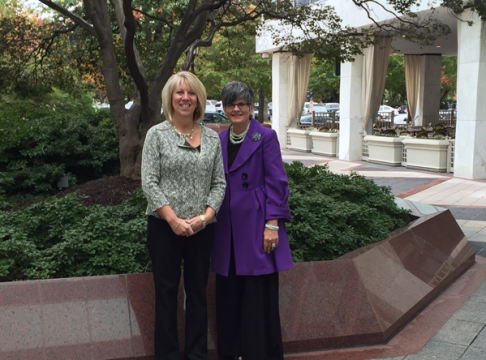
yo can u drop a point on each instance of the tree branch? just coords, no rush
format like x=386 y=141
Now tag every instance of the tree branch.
x=133 y=61
x=77 y=19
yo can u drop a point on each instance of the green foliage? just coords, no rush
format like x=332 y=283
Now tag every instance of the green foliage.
x=395 y=93
x=58 y=237
x=323 y=83
x=35 y=154
x=28 y=103
x=335 y=214
x=232 y=57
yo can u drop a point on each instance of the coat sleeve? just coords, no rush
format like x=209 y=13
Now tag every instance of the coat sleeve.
x=218 y=181
x=151 y=172
x=276 y=183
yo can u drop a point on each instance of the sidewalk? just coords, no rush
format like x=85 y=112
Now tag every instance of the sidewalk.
x=463 y=336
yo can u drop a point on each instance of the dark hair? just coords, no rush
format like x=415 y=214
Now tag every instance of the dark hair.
x=237 y=90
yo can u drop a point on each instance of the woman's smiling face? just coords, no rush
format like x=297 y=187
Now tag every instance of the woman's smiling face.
x=184 y=100
x=239 y=114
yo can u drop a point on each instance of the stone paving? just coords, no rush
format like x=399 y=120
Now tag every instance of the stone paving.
x=463 y=337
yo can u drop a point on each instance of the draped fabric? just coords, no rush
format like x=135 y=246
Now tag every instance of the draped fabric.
x=375 y=66
x=299 y=74
x=413 y=64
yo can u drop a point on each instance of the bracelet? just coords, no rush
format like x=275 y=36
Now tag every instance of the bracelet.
x=177 y=224
x=203 y=221
x=271 y=227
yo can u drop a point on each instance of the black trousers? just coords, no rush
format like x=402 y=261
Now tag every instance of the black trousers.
x=167 y=250
x=247 y=316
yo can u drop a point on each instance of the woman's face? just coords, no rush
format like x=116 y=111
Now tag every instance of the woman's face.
x=184 y=100
x=238 y=112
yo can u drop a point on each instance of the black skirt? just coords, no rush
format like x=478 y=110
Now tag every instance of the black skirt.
x=247 y=315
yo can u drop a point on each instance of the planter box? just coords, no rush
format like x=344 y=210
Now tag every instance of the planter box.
x=324 y=143
x=427 y=154
x=300 y=140
x=384 y=150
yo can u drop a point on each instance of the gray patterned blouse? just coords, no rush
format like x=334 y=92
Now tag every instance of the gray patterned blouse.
x=176 y=174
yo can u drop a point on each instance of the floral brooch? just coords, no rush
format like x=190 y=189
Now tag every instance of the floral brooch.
x=256 y=137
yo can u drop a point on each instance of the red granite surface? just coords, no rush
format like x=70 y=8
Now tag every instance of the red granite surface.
x=361 y=299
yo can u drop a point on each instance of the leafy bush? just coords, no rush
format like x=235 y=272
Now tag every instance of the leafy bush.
x=35 y=154
x=29 y=103
x=335 y=214
x=58 y=237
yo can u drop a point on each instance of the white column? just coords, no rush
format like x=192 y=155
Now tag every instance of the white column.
x=350 y=123
x=280 y=103
x=429 y=90
x=470 y=152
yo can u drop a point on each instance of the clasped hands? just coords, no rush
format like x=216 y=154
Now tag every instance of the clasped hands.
x=186 y=228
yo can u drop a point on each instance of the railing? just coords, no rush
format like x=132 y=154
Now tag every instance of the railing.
x=364 y=150
x=320 y=119
x=404 y=155
x=448 y=117
x=450 y=156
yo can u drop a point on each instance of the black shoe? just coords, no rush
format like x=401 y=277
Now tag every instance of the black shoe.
x=228 y=357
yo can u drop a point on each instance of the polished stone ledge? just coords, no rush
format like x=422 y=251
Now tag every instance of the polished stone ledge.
x=363 y=298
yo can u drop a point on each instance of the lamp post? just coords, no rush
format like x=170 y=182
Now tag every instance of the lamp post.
x=194 y=54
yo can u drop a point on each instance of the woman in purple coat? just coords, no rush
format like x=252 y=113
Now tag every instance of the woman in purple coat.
x=250 y=242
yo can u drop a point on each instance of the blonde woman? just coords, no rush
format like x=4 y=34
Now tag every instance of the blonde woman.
x=184 y=183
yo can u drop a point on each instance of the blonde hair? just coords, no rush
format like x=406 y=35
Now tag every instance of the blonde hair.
x=194 y=83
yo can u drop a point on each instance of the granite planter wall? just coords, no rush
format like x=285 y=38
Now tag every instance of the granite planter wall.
x=324 y=143
x=300 y=140
x=363 y=298
x=384 y=150
x=427 y=154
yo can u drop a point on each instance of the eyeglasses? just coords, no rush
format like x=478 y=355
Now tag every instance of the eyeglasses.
x=240 y=106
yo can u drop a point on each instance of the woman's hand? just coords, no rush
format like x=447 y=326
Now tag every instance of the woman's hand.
x=195 y=223
x=181 y=227
x=270 y=238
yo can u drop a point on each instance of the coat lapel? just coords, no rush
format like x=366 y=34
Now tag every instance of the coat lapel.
x=248 y=146
x=224 y=149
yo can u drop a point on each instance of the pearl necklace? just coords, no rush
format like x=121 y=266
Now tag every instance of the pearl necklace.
x=238 y=138
x=185 y=136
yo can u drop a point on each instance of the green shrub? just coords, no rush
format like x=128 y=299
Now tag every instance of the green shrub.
x=58 y=237
x=29 y=103
x=35 y=154
x=335 y=214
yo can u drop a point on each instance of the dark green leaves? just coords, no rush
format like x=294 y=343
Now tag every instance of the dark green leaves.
x=335 y=214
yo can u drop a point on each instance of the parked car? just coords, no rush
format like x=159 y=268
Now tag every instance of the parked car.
x=307 y=119
x=219 y=107
x=129 y=104
x=388 y=109
x=211 y=102
x=319 y=109
x=332 y=106
x=215 y=117
x=255 y=112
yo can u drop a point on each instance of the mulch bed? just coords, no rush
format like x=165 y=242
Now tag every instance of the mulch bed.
x=109 y=191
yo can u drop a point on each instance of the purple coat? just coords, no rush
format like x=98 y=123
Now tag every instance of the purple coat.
x=256 y=191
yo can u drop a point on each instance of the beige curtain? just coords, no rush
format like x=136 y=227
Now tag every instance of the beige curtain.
x=375 y=66
x=299 y=74
x=413 y=64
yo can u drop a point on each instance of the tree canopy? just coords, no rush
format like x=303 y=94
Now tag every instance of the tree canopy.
x=132 y=47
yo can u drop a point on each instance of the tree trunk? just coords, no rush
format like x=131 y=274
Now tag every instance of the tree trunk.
x=261 y=106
